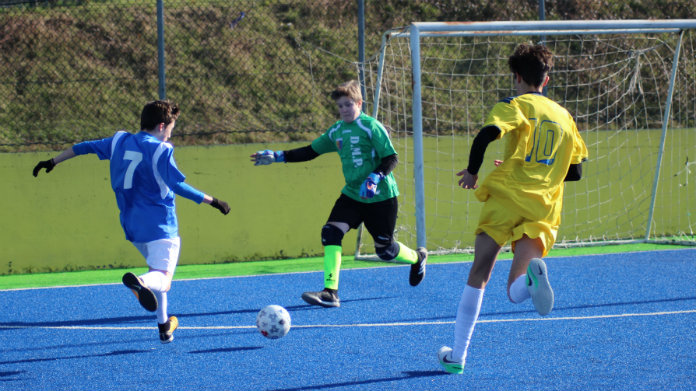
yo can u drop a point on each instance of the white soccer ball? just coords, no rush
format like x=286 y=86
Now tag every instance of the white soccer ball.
x=273 y=321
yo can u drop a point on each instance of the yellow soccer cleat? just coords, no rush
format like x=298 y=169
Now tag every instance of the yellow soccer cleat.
x=166 y=330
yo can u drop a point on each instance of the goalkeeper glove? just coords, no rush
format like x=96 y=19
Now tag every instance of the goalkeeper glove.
x=265 y=157
x=369 y=187
x=220 y=205
x=47 y=164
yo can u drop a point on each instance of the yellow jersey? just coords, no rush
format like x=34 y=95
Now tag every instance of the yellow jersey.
x=542 y=142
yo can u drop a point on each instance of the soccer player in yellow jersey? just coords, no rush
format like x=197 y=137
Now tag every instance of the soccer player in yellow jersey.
x=523 y=196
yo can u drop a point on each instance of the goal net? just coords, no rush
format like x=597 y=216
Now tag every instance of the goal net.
x=630 y=85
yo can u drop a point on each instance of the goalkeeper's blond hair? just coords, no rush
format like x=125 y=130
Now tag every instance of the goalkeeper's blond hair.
x=350 y=89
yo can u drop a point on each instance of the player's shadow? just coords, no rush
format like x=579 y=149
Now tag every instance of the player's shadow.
x=74 y=345
x=305 y=307
x=148 y=318
x=299 y=307
x=555 y=309
x=604 y=305
x=80 y=322
x=216 y=313
x=6 y=376
x=227 y=350
x=120 y=320
x=114 y=353
x=407 y=375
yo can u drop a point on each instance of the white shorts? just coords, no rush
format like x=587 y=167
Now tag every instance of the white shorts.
x=162 y=254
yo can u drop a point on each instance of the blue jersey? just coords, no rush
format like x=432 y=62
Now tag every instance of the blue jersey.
x=144 y=177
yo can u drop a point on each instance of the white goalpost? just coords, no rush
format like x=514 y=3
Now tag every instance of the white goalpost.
x=630 y=85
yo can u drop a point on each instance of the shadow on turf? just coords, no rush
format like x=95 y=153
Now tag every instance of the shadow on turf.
x=114 y=353
x=587 y=306
x=555 y=309
x=149 y=318
x=76 y=345
x=300 y=307
x=5 y=376
x=227 y=350
x=255 y=310
x=314 y=307
x=407 y=375
x=179 y=336
x=82 y=322
x=120 y=320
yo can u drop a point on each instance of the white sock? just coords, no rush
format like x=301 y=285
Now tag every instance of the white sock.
x=154 y=280
x=467 y=314
x=518 y=290
x=162 y=306
x=157 y=281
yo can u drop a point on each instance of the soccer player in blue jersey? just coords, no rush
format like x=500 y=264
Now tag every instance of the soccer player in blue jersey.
x=369 y=195
x=145 y=178
x=523 y=195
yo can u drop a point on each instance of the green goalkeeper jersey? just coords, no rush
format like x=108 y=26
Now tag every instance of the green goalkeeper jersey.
x=361 y=145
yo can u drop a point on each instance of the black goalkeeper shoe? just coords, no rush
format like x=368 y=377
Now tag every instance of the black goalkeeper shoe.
x=326 y=298
x=418 y=269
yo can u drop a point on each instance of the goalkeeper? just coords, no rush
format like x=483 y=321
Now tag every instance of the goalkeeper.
x=145 y=178
x=523 y=195
x=369 y=195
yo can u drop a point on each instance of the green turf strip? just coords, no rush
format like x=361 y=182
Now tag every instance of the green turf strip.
x=275 y=266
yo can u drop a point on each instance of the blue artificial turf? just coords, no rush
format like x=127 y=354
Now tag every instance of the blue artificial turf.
x=621 y=322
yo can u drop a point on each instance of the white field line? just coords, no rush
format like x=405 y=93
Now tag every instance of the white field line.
x=394 y=324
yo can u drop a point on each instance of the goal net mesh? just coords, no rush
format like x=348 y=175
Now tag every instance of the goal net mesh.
x=616 y=87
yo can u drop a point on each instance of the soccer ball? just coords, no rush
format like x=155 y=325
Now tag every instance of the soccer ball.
x=273 y=321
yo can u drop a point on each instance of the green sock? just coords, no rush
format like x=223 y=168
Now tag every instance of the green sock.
x=406 y=255
x=332 y=266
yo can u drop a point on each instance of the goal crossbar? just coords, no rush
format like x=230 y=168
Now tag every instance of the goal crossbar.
x=545 y=25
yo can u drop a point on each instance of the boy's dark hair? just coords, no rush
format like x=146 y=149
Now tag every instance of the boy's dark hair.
x=532 y=62
x=157 y=112
x=350 y=89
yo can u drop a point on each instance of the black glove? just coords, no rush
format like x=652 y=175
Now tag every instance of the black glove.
x=220 y=205
x=47 y=164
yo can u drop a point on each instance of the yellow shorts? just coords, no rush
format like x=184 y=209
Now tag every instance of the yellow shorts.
x=503 y=225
